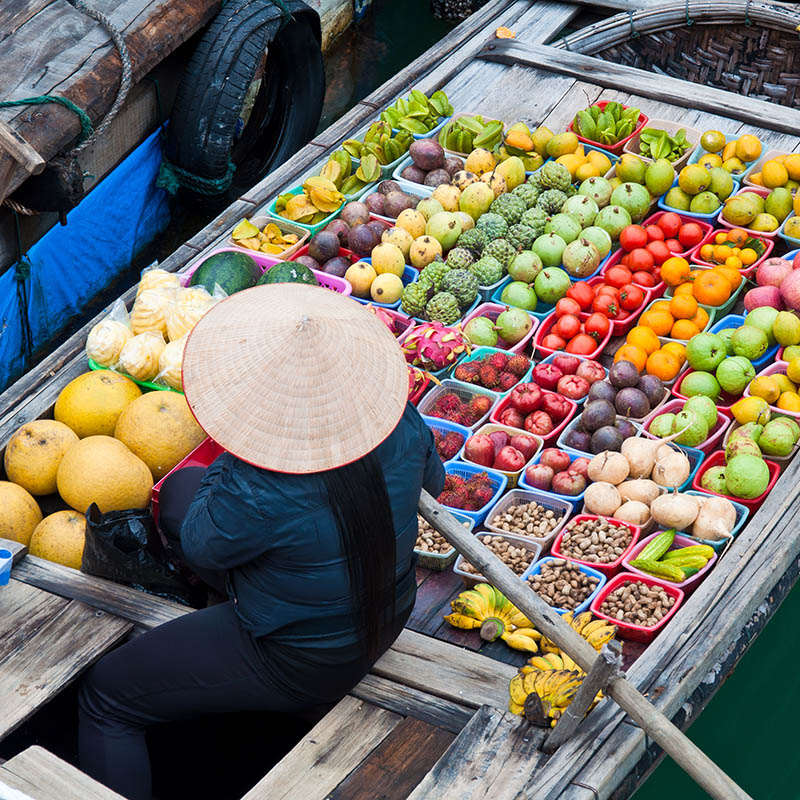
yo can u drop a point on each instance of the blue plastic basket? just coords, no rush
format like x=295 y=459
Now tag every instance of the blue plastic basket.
x=6 y=558
x=790 y=240
x=736 y=321
x=477 y=354
x=705 y=217
x=535 y=569
x=437 y=424
x=742 y=512
x=695 y=457
x=409 y=276
x=575 y=500
x=467 y=471
x=543 y=310
x=549 y=360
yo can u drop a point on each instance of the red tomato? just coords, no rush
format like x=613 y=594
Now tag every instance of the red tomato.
x=606 y=304
x=566 y=305
x=659 y=251
x=674 y=245
x=567 y=326
x=608 y=290
x=670 y=223
x=597 y=326
x=582 y=345
x=632 y=236
x=582 y=294
x=625 y=260
x=655 y=234
x=640 y=259
x=617 y=276
x=643 y=279
x=630 y=297
x=690 y=234
x=553 y=342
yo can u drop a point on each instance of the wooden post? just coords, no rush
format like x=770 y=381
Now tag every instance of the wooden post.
x=605 y=666
x=682 y=750
x=15 y=152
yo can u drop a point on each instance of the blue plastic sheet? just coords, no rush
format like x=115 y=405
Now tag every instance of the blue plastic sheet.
x=73 y=263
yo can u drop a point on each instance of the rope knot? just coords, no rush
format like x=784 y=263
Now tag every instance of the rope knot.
x=22 y=269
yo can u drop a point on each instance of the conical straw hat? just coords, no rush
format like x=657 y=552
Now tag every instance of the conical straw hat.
x=294 y=378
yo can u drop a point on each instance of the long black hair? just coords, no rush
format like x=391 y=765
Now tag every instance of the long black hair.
x=360 y=504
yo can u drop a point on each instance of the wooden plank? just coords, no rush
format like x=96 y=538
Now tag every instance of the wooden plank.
x=333 y=748
x=397 y=764
x=648 y=84
x=24 y=610
x=18 y=550
x=433 y=599
x=13 y=15
x=488 y=760
x=44 y=664
x=45 y=777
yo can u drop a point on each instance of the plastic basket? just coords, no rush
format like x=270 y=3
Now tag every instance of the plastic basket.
x=552 y=357
x=544 y=330
x=476 y=355
x=699 y=152
x=493 y=311
x=505 y=402
x=775 y=369
x=465 y=395
x=719 y=310
x=620 y=145
x=260 y=220
x=712 y=315
x=613 y=567
x=441 y=561
x=437 y=424
x=662 y=204
x=717 y=459
x=540 y=313
x=706 y=227
x=745 y=271
x=470 y=579
x=742 y=513
x=403 y=323
x=627 y=630
x=574 y=500
x=536 y=568
x=518 y=496
x=262 y=259
x=616 y=257
x=736 y=321
x=491 y=427
x=761 y=234
x=758 y=165
x=467 y=471
x=146 y=385
x=6 y=559
x=692 y=136
x=627 y=319
x=458 y=115
x=781 y=461
x=312 y=229
x=715 y=435
x=791 y=241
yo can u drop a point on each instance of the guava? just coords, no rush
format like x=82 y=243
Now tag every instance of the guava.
x=749 y=342
x=702 y=406
x=763 y=318
x=705 y=351
x=549 y=247
x=634 y=198
x=725 y=334
x=525 y=266
x=778 y=438
x=700 y=383
x=582 y=207
x=741 y=447
x=734 y=374
x=481 y=332
x=564 y=225
x=613 y=219
x=715 y=480
x=551 y=285
x=599 y=189
x=599 y=238
x=750 y=430
x=694 y=427
x=519 y=294
x=786 y=329
x=661 y=426
x=747 y=476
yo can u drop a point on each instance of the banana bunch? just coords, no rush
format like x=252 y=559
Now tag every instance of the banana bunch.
x=489 y=610
x=339 y=170
x=467 y=133
x=606 y=125
x=596 y=631
x=673 y=565
x=418 y=113
x=319 y=198
x=381 y=142
x=542 y=695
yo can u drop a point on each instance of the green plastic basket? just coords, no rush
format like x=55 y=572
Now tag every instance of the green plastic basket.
x=147 y=385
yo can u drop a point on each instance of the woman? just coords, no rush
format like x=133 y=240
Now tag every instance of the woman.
x=307 y=524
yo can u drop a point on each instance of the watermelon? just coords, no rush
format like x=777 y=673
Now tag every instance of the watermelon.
x=289 y=272
x=232 y=271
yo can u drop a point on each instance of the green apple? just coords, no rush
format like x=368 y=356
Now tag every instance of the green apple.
x=734 y=374
x=705 y=351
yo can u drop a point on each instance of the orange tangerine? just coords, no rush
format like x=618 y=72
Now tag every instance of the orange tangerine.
x=731 y=273
x=684 y=329
x=788 y=401
x=683 y=306
x=683 y=289
x=676 y=349
x=632 y=353
x=700 y=318
x=660 y=321
x=674 y=270
x=734 y=262
x=721 y=237
x=643 y=337
x=738 y=236
x=748 y=256
x=707 y=252
x=712 y=288
x=663 y=365
x=660 y=305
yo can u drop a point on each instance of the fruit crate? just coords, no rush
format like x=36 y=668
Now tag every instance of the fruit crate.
x=409 y=276
x=148 y=386
x=614 y=260
x=202 y=456
x=492 y=427
x=574 y=500
x=758 y=165
x=742 y=513
x=419 y=191
x=708 y=445
x=717 y=459
x=477 y=354
x=492 y=311
x=687 y=586
x=561 y=444
x=536 y=568
x=260 y=220
x=438 y=424
x=627 y=630
x=775 y=369
x=706 y=227
x=736 y=321
x=746 y=272
x=548 y=323
x=552 y=357
x=695 y=215
x=791 y=241
x=457 y=116
x=467 y=471
x=470 y=580
x=505 y=401
x=761 y=234
x=617 y=148
x=627 y=319
x=611 y=569
x=518 y=496
x=540 y=313
x=441 y=561
x=781 y=461
x=463 y=393
x=6 y=559
x=692 y=135
x=312 y=229
x=724 y=402
x=698 y=154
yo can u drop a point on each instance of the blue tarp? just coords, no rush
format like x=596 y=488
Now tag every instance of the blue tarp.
x=73 y=263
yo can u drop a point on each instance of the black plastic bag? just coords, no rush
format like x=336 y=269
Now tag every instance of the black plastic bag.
x=124 y=546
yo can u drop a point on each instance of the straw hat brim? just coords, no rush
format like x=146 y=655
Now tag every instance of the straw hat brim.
x=294 y=378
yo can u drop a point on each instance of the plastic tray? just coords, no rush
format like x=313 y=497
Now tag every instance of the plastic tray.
x=551 y=358
x=693 y=214
x=791 y=241
x=540 y=313
x=437 y=424
x=626 y=630
x=781 y=461
x=626 y=319
x=548 y=323
x=463 y=392
x=260 y=220
x=477 y=354
x=687 y=586
x=574 y=500
x=312 y=229
x=609 y=570
x=505 y=401
x=467 y=471
x=736 y=321
x=401 y=319
x=757 y=166
x=147 y=385
x=517 y=496
x=775 y=369
x=761 y=234
x=742 y=513
x=6 y=557
x=441 y=561
x=616 y=257
x=470 y=579
x=692 y=135
x=717 y=459
x=745 y=271
x=715 y=435
x=617 y=148
x=536 y=568
x=469 y=114
x=493 y=311
x=712 y=315
x=491 y=427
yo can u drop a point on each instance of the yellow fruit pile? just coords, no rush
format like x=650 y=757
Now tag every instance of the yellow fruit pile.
x=733 y=156
x=781 y=171
x=270 y=239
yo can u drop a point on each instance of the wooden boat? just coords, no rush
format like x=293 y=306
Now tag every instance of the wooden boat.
x=430 y=721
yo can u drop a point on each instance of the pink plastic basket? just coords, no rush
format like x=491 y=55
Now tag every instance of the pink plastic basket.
x=551 y=437
x=548 y=323
x=745 y=271
x=618 y=147
x=715 y=435
x=760 y=234
x=493 y=311
x=717 y=459
x=778 y=368
x=608 y=570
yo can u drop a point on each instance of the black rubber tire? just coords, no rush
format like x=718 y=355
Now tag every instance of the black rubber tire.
x=202 y=134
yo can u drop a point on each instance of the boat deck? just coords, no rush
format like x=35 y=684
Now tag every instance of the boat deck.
x=429 y=721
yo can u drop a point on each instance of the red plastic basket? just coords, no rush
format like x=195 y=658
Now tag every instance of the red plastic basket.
x=746 y=272
x=493 y=311
x=613 y=148
x=626 y=319
x=548 y=323
x=655 y=291
x=717 y=459
x=715 y=435
x=607 y=569
x=706 y=227
x=551 y=437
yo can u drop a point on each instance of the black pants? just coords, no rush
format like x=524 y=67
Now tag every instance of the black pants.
x=199 y=664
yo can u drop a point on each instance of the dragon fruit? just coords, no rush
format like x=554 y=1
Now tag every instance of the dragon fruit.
x=387 y=319
x=433 y=346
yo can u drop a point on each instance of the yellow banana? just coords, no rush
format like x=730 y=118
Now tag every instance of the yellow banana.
x=544 y=663
x=467 y=607
x=526 y=669
x=568 y=663
x=516 y=689
x=518 y=619
x=462 y=621
x=487 y=593
x=594 y=625
x=599 y=637
x=519 y=642
x=516 y=708
x=581 y=621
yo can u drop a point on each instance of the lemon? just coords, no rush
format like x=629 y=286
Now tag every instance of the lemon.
x=789 y=401
x=751 y=409
x=793 y=370
x=712 y=141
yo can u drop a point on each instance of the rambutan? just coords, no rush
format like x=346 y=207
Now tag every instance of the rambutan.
x=498 y=360
x=507 y=381
x=480 y=497
x=489 y=376
x=478 y=406
x=466 y=372
x=452 y=499
x=519 y=365
x=454 y=483
x=448 y=444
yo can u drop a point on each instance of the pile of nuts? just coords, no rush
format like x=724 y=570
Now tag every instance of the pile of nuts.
x=527 y=519
x=595 y=540
x=514 y=556
x=561 y=584
x=430 y=540
x=637 y=603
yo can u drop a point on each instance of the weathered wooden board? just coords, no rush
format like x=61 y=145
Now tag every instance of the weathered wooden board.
x=25 y=609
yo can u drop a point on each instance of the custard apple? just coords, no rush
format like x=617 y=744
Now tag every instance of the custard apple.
x=493 y=225
x=551 y=201
x=443 y=307
x=487 y=270
x=510 y=208
x=555 y=176
x=434 y=272
x=527 y=193
x=462 y=284
x=535 y=180
x=473 y=240
x=460 y=258
x=501 y=249
x=521 y=236
x=415 y=297
x=535 y=219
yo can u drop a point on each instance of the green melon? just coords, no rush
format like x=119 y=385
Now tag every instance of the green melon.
x=288 y=272
x=232 y=271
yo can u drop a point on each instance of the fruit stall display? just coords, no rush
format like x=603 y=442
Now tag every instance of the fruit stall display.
x=602 y=328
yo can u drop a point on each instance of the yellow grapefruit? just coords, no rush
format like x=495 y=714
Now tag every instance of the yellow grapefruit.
x=91 y=403
x=34 y=453
x=19 y=513
x=60 y=538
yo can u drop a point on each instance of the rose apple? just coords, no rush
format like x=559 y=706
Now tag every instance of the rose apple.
x=591 y=370
x=509 y=459
x=539 y=423
x=527 y=445
x=580 y=466
x=526 y=397
x=539 y=476
x=547 y=376
x=556 y=406
x=480 y=449
x=567 y=364
x=511 y=417
x=568 y=483
x=555 y=458
x=499 y=440
x=573 y=386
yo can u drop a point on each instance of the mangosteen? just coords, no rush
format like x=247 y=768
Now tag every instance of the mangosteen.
x=378 y=227
x=578 y=440
x=632 y=402
x=653 y=387
x=384 y=187
x=336 y=266
x=375 y=203
x=453 y=164
x=427 y=154
x=597 y=414
x=362 y=239
x=354 y=213
x=606 y=438
x=307 y=261
x=340 y=228
x=413 y=174
x=397 y=202
x=602 y=390
x=324 y=246
x=626 y=428
x=436 y=177
x=623 y=374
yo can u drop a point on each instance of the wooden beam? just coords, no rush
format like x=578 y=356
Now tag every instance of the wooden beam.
x=647 y=84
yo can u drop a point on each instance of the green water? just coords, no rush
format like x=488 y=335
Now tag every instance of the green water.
x=748 y=729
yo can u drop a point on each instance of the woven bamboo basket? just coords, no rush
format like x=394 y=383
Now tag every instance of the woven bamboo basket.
x=745 y=47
